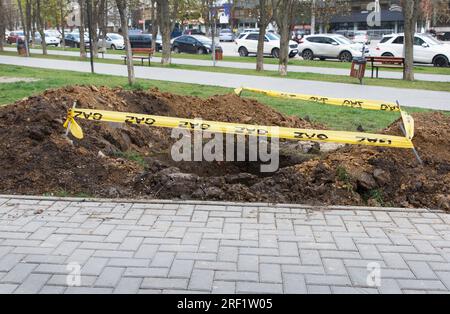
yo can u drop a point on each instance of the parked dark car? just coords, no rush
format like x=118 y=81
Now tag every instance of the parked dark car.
x=143 y=41
x=193 y=31
x=73 y=40
x=193 y=44
x=444 y=36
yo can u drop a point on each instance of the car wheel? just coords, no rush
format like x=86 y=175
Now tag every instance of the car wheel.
x=77 y=45
x=307 y=54
x=345 y=56
x=113 y=47
x=387 y=54
x=440 y=61
x=200 y=51
x=276 y=53
x=243 y=52
x=176 y=50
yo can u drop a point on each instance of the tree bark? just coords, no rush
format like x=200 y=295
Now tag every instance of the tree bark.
x=25 y=27
x=166 y=24
x=2 y=25
x=81 y=28
x=264 y=19
x=122 y=8
x=155 y=23
x=411 y=13
x=284 y=10
x=63 y=24
x=40 y=26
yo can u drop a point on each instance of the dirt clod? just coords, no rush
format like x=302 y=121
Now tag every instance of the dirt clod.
x=121 y=160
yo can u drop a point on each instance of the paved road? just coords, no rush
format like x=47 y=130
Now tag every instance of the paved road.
x=171 y=247
x=407 y=97
x=270 y=67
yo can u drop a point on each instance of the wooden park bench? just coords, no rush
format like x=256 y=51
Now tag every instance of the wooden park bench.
x=386 y=62
x=140 y=54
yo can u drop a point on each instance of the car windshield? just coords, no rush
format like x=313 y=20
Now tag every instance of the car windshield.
x=272 y=36
x=343 y=40
x=431 y=40
x=115 y=36
x=204 y=40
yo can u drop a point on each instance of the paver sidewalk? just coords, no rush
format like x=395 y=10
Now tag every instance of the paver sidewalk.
x=195 y=247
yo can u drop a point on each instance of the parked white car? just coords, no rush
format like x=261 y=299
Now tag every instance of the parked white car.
x=427 y=49
x=226 y=34
x=330 y=46
x=113 y=41
x=361 y=37
x=248 y=44
x=49 y=39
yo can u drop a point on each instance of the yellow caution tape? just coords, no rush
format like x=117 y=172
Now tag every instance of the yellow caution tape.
x=356 y=138
x=351 y=103
x=408 y=122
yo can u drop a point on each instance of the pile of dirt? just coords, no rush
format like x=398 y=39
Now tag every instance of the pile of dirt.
x=121 y=160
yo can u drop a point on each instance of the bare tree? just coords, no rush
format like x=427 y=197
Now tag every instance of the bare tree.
x=265 y=16
x=123 y=12
x=283 y=15
x=411 y=10
x=40 y=25
x=155 y=22
x=2 y=24
x=81 y=28
x=26 y=33
x=168 y=11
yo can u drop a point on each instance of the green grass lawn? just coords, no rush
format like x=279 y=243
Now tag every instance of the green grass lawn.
x=427 y=85
x=423 y=69
x=337 y=118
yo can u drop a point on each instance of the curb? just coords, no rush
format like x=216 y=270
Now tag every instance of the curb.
x=219 y=203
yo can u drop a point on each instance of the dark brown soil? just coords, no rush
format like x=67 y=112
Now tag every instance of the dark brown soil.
x=134 y=161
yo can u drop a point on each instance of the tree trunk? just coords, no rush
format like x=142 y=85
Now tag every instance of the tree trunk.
x=264 y=20
x=155 y=23
x=284 y=19
x=40 y=25
x=81 y=28
x=2 y=25
x=410 y=13
x=313 y=17
x=166 y=30
x=122 y=8
x=25 y=27
x=62 y=15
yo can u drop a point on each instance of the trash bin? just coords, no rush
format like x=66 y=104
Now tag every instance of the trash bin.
x=358 y=68
x=21 y=48
x=219 y=54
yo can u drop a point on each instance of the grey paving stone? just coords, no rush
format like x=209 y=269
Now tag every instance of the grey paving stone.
x=270 y=273
x=223 y=287
x=128 y=285
x=236 y=275
x=164 y=283
x=317 y=289
x=18 y=273
x=181 y=268
x=6 y=288
x=33 y=284
x=216 y=265
x=228 y=254
x=334 y=266
x=162 y=259
x=88 y=290
x=9 y=261
x=422 y=270
x=201 y=280
x=146 y=272
x=94 y=266
x=420 y=284
x=146 y=251
x=445 y=278
x=294 y=284
x=109 y=277
x=248 y=263
x=52 y=290
x=310 y=257
x=327 y=280
x=258 y=288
